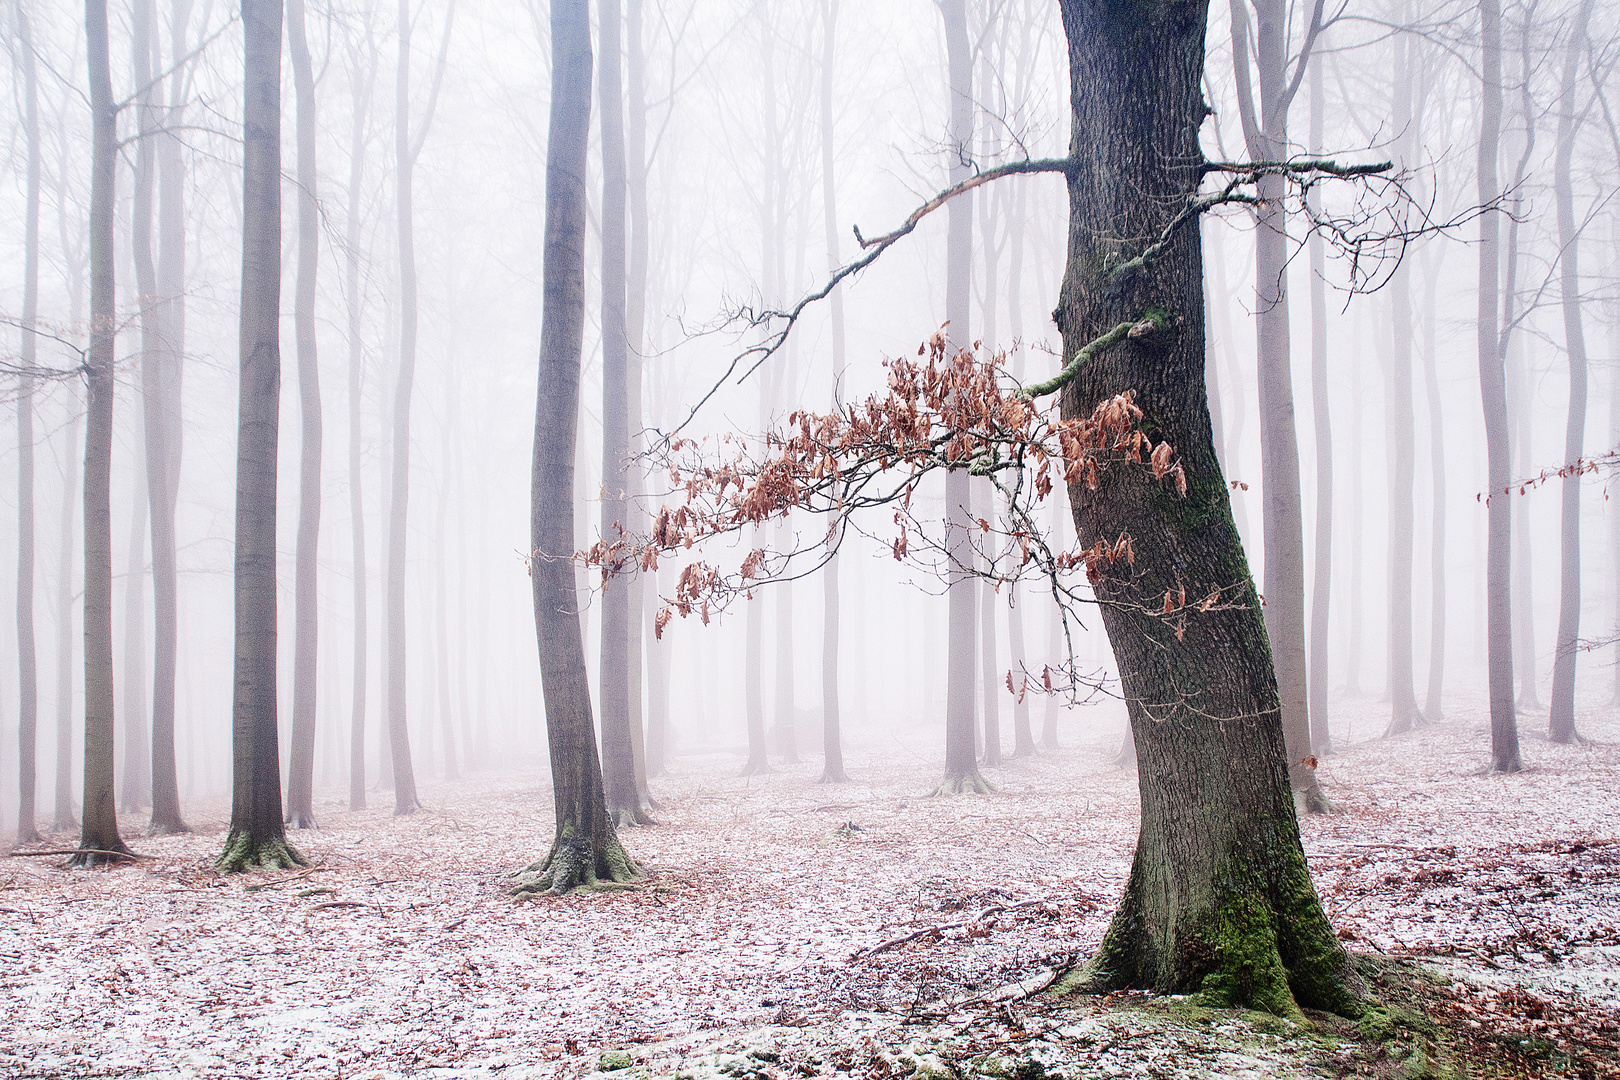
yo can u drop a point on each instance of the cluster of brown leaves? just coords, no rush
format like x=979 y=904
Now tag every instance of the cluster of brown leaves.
x=943 y=409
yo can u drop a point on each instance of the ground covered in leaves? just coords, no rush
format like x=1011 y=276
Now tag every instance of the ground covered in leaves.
x=787 y=928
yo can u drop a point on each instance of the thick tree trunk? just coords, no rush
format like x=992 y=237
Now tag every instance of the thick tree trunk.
x=1219 y=900
x=360 y=107
x=257 y=837
x=961 y=766
x=1322 y=569
x=98 y=830
x=164 y=435
x=27 y=660
x=1561 y=716
x=585 y=848
x=832 y=742
x=301 y=773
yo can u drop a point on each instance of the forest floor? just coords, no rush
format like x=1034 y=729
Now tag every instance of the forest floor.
x=766 y=941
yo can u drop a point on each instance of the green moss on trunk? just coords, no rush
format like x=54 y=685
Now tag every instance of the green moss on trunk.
x=243 y=852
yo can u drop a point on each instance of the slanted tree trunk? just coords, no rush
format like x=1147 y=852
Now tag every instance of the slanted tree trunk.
x=1322 y=570
x=306 y=601
x=62 y=817
x=363 y=72
x=161 y=397
x=257 y=837
x=832 y=740
x=1403 y=708
x=585 y=848
x=1561 y=715
x=1265 y=129
x=27 y=660
x=1219 y=900
x=98 y=832
x=961 y=766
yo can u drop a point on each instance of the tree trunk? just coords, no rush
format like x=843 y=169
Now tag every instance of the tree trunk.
x=1404 y=714
x=1266 y=135
x=585 y=848
x=1219 y=900
x=1561 y=716
x=257 y=837
x=1322 y=570
x=360 y=107
x=441 y=559
x=99 y=828
x=306 y=601
x=161 y=400
x=137 y=779
x=832 y=744
x=961 y=765
x=27 y=660
x=1437 y=545
x=1061 y=519
x=63 y=817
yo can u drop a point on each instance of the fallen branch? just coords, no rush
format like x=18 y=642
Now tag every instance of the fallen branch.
x=340 y=903
x=79 y=851
x=934 y=932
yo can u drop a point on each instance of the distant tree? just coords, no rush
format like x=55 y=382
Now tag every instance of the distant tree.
x=585 y=848
x=257 y=837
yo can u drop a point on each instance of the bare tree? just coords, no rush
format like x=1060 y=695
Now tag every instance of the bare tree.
x=1322 y=422
x=257 y=837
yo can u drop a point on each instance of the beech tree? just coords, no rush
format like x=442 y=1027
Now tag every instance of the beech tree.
x=585 y=848
x=257 y=837
x=27 y=660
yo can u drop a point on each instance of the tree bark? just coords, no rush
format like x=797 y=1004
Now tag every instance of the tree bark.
x=98 y=831
x=961 y=766
x=1561 y=715
x=257 y=837
x=643 y=608
x=306 y=601
x=1322 y=569
x=585 y=847
x=63 y=817
x=136 y=793
x=1432 y=710
x=1219 y=900
x=27 y=659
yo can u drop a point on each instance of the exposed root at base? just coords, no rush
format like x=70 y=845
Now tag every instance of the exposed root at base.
x=971 y=784
x=574 y=863
x=833 y=777
x=631 y=817
x=1317 y=802
x=300 y=821
x=245 y=852
x=167 y=828
x=753 y=768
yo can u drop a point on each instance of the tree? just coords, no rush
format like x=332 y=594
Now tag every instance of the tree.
x=961 y=768
x=99 y=841
x=585 y=848
x=257 y=836
x=1561 y=715
x=1322 y=422
x=27 y=662
x=407 y=148
x=62 y=816
x=301 y=771
x=1265 y=133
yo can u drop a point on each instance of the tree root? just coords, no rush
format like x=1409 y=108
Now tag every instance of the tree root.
x=299 y=821
x=969 y=784
x=833 y=776
x=631 y=817
x=167 y=828
x=574 y=863
x=245 y=852
x=1317 y=801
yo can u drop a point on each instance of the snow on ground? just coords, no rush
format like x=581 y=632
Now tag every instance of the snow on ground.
x=397 y=951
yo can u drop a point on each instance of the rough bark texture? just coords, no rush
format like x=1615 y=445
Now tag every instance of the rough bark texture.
x=961 y=766
x=1219 y=900
x=585 y=848
x=257 y=837
x=1561 y=714
x=27 y=661
x=301 y=772
x=99 y=827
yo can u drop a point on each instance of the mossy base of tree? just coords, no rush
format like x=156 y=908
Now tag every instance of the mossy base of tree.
x=574 y=862
x=968 y=783
x=632 y=817
x=244 y=852
x=167 y=828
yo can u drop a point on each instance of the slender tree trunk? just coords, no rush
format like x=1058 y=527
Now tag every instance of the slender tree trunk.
x=306 y=600
x=832 y=744
x=1062 y=519
x=1437 y=547
x=63 y=818
x=27 y=660
x=136 y=792
x=585 y=847
x=1561 y=717
x=99 y=828
x=1266 y=132
x=161 y=401
x=1404 y=714
x=1322 y=570
x=961 y=766
x=360 y=107
x=441 y=604
x=257 y=836
x=1219 y=900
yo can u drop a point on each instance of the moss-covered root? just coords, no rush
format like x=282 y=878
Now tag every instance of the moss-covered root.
x=970 y=784
x=244 y=852
x=574 y=863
